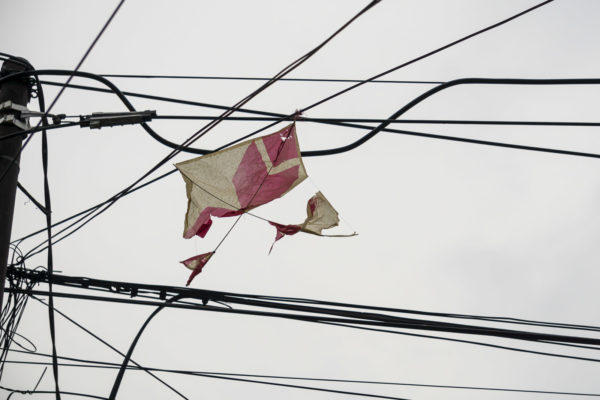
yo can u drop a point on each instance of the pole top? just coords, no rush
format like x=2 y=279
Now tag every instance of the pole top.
x=13 y=88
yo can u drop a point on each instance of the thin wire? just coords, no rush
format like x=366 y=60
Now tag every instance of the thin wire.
x=495 y=346
x=44 y=121
x=38 y=129
x=119 y=378
x=396 y=121
x=107 y=365
x=104 y=342
x=13 y=391
x=244 y=78
x=283 y=117
x=204 y=130
x=424 y=135
x=429 y=54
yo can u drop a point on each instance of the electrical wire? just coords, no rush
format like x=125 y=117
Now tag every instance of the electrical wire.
x=246 y=78
x=23 y=391
x=104 y=342
x=346 y=321
x=395 y=121
x=43 y=121
x=469 y=81
x=429 y=54
x=404 y=109
x=200 y=151
x=211 y=125
x=298 y=304
x=81 y=363
x=38 y=129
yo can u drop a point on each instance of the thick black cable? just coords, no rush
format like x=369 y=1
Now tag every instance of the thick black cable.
x=201 y=151
x=495 y=346
x=108 y=83
x=50 y=259
x=211 y=125
x=43 y=121
x=246 y=78
x=92 y=334
x=81 y=363
x=285 y=71
x=119 y=378
x=305 y=318
x=133 y=289
x=382 y=126
x=466 y=81
x=54 y=101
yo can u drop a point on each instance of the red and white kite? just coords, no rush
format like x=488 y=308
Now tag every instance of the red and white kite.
x=237 y=179
x=232 y=181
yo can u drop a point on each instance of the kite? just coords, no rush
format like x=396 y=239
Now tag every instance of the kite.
x=237 y=179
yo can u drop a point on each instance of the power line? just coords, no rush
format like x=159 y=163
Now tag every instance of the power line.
x=395 y=121
x=104 y=342
x=320 y=320
x=24 y=391
x=335 y=316
x=429 y=54
x=298 y=304
x=383 y=125
x=43 y=121
x=337 y=150
x=81 y=363
x=246 y=78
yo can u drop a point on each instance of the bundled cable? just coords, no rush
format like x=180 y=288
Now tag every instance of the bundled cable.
x=11 y=314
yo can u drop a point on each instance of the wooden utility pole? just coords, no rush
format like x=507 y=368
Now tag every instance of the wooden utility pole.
x=17 y=91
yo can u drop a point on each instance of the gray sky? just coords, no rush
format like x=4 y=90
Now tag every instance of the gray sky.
x=442 y=226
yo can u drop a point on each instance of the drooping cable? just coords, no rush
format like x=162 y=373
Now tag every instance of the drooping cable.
x=408 y=106
x=429 y=54
x=396 y=68
x=104 y=342
x=119 y=378
x=241 y=103
x=84 y=363
x=341 y=322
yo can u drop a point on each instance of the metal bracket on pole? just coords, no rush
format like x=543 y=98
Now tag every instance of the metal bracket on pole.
x=15 y=114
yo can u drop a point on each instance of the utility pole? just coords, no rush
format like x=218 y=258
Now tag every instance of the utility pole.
x=18 y=92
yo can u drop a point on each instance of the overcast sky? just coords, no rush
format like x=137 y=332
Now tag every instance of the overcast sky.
x=443 y=226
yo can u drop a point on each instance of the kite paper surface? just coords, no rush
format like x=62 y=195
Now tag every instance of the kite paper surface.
x=234 y=180
x=196 y=264
x=320 y=215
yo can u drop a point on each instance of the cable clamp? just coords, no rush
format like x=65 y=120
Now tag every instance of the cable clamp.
x=101 y=120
